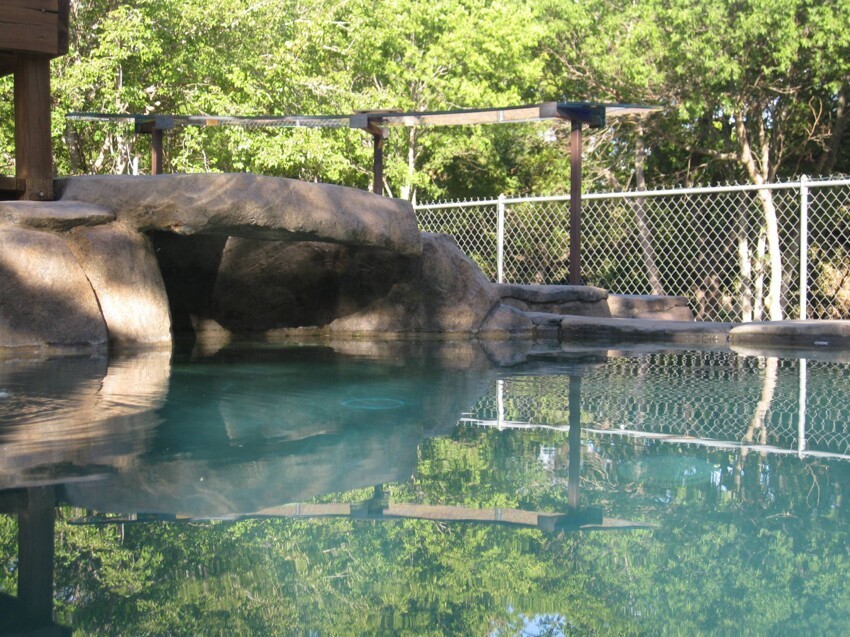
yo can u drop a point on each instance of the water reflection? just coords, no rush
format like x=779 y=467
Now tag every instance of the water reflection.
x=32 y=608
x=371 y=492
x=69 y=419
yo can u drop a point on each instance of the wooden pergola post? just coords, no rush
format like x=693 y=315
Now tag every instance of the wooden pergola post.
x=372 y=122
x=33 y=144
x=378 y=161
x=35 y=555
x=31 y=33
x=578 y=114
x=155 y=128
x=575 y=202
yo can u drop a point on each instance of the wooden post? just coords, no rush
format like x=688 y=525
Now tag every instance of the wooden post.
x=33 y=151
x=35 y=556
x=154 y=126
x=378 y=161
x=574 y=469
x=575 y=202
x=156 y=151
x=371 y=122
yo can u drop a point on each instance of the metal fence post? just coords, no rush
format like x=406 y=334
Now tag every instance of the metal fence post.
x=500 y=239
x=804 y=247
x=802 y=444
x=715 y=285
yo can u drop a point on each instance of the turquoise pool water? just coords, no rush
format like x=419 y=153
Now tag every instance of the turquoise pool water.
x=425 y=489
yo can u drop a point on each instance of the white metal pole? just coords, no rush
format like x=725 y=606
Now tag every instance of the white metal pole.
x=804 y=247
x=500 y=239
x=500 y=403
x=801 y=424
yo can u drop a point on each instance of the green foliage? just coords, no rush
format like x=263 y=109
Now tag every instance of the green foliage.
x=781 y=65
x=756 y=557
x=8 y=551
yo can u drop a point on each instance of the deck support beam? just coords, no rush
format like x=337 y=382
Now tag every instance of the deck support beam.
x=33 y=144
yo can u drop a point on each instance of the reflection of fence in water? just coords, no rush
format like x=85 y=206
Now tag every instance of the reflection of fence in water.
x=713 y=396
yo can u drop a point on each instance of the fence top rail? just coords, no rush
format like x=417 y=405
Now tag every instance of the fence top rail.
x=701 y=190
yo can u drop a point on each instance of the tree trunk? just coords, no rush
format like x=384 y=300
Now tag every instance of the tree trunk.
x=644 y=229
x=768 y=389
x=758 y=175
x=761 y=248
x=746 y=268
x=774 y=294
x=842 y=115
x=408 y=191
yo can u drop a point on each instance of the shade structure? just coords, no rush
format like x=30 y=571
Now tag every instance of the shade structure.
x=377 y=122
x=588 y=112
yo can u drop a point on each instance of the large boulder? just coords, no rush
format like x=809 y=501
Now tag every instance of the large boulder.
x=443 y=291
x=263 y=285
x=779 y=335
x=251 y=206
x=53 y=215
x=45 y=297
x=650 y=306
x=123 y=271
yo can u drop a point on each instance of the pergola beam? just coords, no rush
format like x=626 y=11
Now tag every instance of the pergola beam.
x=376 y=123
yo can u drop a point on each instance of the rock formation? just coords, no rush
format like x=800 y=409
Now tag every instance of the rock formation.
x=134 y=260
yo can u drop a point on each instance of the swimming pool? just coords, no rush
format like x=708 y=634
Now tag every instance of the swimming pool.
x=416 y=488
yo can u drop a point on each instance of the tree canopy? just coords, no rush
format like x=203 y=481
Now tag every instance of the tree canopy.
x=752 y=90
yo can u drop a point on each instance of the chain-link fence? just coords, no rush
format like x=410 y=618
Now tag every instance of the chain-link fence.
x=709 y=398
x=730 y=250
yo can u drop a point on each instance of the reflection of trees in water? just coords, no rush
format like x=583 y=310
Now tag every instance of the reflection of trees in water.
x=779 y=537
x=767 y=531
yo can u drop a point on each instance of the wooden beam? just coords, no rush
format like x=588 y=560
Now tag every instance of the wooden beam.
x=33 y=144
x=35 y=5
x=31 y=26
x=10 y=184
x=35 y=26
x=7 y=63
